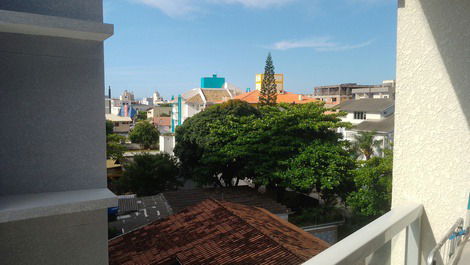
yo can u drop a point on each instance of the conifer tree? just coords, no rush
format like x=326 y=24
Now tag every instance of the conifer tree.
x=268 y=93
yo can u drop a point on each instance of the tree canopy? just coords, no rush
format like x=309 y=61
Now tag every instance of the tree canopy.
x=237 y=141
x=150 y=174
x=268 y=93
x=114 y=147
x=364 y=144
x=144 y=133
x=374 y=186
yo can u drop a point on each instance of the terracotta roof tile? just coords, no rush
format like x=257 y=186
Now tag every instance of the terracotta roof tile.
x=214 y=232
x=286 y=97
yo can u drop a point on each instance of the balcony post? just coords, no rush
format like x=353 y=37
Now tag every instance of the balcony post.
x=413 y=243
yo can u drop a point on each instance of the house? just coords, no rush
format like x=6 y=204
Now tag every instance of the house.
x=216 y=232
x=197 y=99
x=159 y=111
x=162 y=205
x=181 y=199
x=163 y=124
x=122 y=125
x=283 y=97
x=369 y=115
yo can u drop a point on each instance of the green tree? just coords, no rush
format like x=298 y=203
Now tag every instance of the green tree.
x=364 y=144
x=373 y=180
x=144 y=133
x=268 y=93
x=150 y=174
x=114 y=146
x=198 y=151
x=109 y=127
x=323 y=167
x=223 y=145
x=141 y=116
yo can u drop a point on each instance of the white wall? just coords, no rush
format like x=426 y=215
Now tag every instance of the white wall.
x=432 y=139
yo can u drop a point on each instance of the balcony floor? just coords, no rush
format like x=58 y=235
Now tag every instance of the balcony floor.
x=465 y=257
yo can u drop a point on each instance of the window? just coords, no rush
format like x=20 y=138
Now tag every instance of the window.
x=333 y=99
x=359 y=115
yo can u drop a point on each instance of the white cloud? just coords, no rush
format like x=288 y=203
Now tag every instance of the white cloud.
x=323 y=44
x=178 y=8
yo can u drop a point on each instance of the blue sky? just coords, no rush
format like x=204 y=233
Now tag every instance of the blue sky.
x=167 y=45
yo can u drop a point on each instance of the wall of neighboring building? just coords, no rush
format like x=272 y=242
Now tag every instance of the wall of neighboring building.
x=432 y=139
x=58 y=148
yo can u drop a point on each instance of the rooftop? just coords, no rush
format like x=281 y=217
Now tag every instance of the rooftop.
x=384 y=125
x=366 y=104
x=181 y=199
x=216 y=232
x=116 y=118
x=286 y=97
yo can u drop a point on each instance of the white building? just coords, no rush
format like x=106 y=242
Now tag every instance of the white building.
x=369 y=115
x=197 y=99
x=157 y=99
x=147 y=101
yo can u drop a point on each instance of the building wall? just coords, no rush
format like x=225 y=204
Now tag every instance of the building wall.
x=432 y=139
x=279 y=79
x=56 y=239
x=55 y=141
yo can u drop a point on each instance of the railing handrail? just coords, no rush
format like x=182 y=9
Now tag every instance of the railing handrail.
x=370 y=238
x=432 y=254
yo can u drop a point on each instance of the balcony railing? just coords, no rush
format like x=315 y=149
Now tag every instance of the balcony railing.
x=357 y=247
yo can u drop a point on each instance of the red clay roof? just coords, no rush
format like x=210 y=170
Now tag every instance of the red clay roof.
x=162 y=121
x=214 y=232
x=286 y=97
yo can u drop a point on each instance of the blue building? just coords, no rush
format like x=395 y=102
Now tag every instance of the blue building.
x=212 y=82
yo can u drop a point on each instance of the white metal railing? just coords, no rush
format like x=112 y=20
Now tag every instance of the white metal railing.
x=369 y=239
x=449 y=246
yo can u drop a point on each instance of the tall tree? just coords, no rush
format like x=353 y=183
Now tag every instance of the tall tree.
x=145 y=134
x=268 y=93
x=364 y=144
x=150 y=174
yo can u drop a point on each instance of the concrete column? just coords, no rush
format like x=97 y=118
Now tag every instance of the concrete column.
x=432 y=138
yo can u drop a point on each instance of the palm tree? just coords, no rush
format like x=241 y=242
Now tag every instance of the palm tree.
x=364 y=144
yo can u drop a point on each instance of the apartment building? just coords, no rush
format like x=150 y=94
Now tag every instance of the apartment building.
x=336 y=94
x=279 y=80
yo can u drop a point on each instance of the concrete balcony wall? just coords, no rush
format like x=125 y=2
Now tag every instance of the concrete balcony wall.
x=53 y=195
x=432 y=138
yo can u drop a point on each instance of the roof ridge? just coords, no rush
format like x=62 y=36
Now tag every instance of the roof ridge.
x=269 y=237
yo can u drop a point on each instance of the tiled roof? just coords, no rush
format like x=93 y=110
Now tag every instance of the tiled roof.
x=195 y=99
x=384 y=125
x=162 y=121
x=214 y=232
x=366 y=104
x=181 y=199
x=286 y=97
x=215 y=95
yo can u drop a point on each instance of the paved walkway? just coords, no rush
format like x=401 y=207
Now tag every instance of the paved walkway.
x=465 y=257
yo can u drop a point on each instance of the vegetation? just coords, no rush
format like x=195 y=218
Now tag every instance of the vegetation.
x=268 y=93
x=364 y=144
x=144 y=133
x=373 y=181
x=235 y=141
x=199 y=152
x=141 y=116
x=150 y=174
x=317 y=215
x=114 y=147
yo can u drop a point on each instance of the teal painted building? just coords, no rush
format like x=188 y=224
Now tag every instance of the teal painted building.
x=212 y=82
